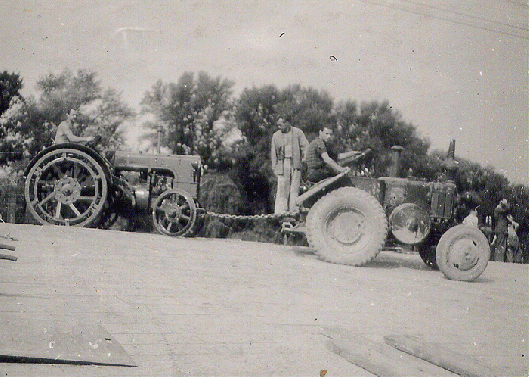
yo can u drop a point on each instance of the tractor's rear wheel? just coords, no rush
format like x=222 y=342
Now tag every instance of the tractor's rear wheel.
x=174 y=213
x=347 y=226
x=463 y=253
x=66 y=186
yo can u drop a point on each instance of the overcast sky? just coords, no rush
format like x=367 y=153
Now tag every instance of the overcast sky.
x=456 y=69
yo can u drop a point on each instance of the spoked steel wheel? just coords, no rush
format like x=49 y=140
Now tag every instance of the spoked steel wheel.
x=66 y=186
x=174 y=213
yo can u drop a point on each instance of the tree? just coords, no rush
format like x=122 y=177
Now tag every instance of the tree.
x=65 y=91
x=101 y=110
x=187 y=113
x=11 y=136
x=10 y=87
x=256 y=115
x=308 y=108
x=376 y=125
x=29 y=125
x=105 y=117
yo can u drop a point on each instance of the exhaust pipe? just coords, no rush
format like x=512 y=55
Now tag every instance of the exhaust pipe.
x=394 y=168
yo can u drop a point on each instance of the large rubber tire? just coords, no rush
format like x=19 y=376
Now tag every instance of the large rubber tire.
x=463 y=253
x=174 y=213
x=67 y=185
x=347 y=226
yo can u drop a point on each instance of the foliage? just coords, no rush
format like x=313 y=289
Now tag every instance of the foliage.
x=256 y=115
x=377 y=126
x=105 y=117
x=187 y=114
x=65 y=91
x=11 y=108
x=307 y=108
x=10 y=87
x=12 y=141
x=29 y=125
x=101 y=111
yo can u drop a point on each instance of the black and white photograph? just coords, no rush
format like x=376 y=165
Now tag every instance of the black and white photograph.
x=264 y=188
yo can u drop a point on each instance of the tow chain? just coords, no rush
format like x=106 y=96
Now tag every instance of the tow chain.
x=265 y=216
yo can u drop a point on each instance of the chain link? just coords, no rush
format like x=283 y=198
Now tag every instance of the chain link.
x=265 y=216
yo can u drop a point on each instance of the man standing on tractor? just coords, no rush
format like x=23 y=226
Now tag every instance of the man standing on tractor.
x=319 y=164
x=65 y=134
x=289 y=146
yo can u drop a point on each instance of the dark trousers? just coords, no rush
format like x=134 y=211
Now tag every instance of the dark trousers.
x=320 y=174
x=499 y=246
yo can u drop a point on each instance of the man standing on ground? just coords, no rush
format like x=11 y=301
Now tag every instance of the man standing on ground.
x=502 y=219
x=319 y=164
x=289 y=146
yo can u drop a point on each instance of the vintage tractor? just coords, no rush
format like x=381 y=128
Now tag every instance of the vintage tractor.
x=346 y=219
x=73 y=185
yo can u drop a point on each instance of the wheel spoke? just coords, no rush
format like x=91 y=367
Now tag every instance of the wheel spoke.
x=87 y=198
x=58 y=210
x=57 y=170
x=47 y=198
x=75 y=170
x=74 y=209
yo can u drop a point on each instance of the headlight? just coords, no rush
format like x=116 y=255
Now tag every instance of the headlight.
x=409 y=223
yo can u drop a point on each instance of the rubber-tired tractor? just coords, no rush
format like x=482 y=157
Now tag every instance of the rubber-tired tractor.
x=73 y=185
x=349 y=219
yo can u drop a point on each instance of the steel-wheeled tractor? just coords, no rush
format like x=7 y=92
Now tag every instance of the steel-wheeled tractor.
x=74 y=185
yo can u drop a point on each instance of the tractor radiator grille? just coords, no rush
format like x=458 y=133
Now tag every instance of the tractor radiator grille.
x=442 y=201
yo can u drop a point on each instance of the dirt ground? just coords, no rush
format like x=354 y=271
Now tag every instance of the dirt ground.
x=208 y=307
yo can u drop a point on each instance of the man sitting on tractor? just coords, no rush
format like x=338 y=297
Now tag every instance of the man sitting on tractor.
x=319 y=164
x=65 y=134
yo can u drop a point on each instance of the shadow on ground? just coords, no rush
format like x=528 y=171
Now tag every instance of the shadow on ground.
x=386 y=259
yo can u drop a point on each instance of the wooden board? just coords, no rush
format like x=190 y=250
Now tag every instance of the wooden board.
x=377 y=357
x=440 y=355
x=29 y=340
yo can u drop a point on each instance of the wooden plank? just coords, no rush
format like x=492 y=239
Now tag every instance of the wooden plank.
x=58 y=342
x=7 y=247
x=438 y=354
x=377 y=357
x=8 y=257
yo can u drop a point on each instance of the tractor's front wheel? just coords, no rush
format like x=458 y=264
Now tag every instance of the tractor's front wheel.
x=347 y=226
x=463 y=253
x=174 y=213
